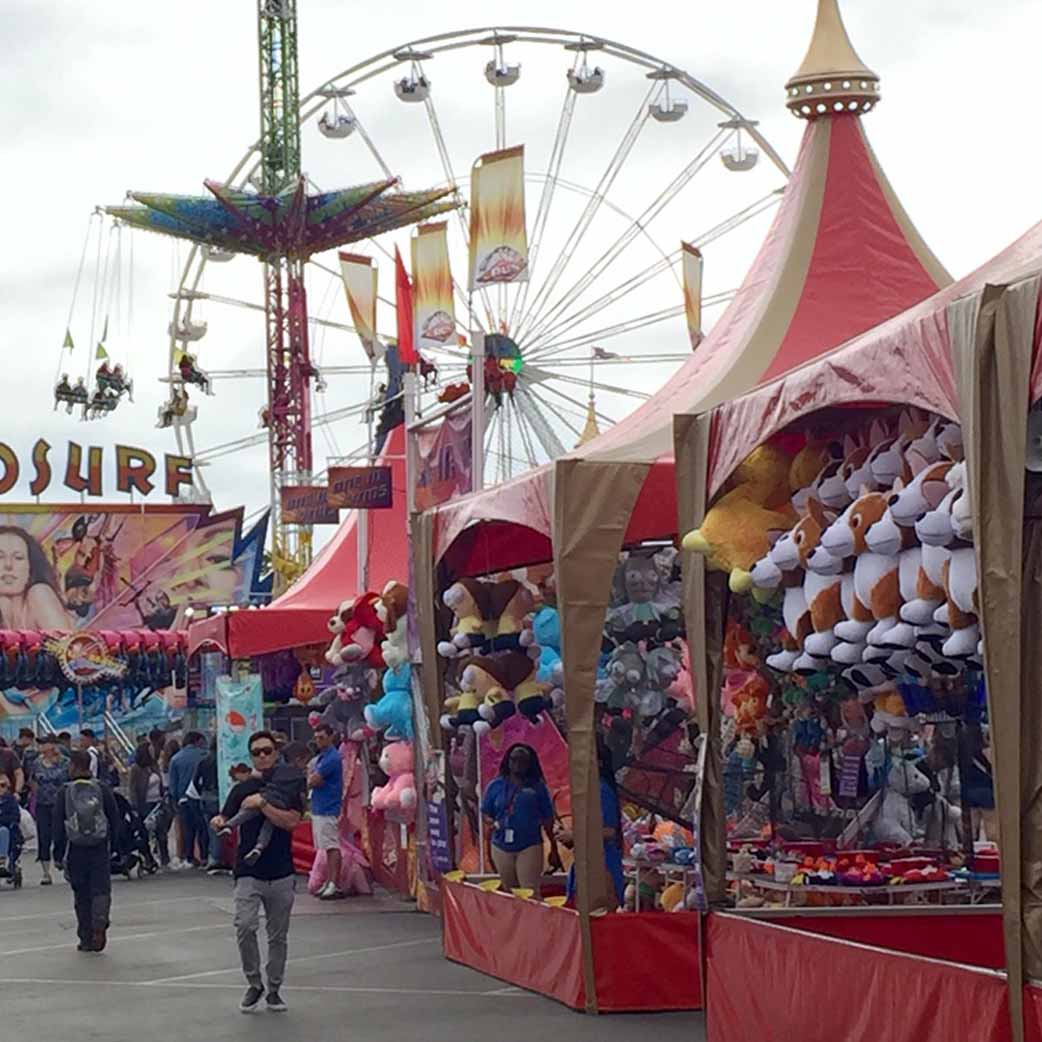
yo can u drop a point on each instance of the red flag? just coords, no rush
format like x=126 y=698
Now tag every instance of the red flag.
x=403 y=305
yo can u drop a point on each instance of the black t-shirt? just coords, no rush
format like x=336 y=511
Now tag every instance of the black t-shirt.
x=277 y=860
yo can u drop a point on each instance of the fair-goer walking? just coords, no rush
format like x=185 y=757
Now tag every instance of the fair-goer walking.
x=49 y=772
x=267 y=882
x=88 y=820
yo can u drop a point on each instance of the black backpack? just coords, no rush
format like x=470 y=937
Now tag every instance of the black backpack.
x=86 y=824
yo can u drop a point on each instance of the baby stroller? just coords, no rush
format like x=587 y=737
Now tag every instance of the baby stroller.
x=10 y=869
x=132 y=849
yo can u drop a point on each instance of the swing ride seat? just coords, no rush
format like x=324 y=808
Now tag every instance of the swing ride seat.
x=115 y=385
x=71 y=395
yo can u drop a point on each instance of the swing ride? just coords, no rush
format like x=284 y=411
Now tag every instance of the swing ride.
x=603 y=265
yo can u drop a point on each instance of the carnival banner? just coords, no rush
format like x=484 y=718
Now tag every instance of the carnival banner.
x=240 y=712
x=117 y=568
x=692 y=267
x=360 y=488
x=360 y=275
x=434 y=314
x=444 y=461
x=498 y=240
x=306 y=505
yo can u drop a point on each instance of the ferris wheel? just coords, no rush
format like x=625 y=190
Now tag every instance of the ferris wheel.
x=625 y=156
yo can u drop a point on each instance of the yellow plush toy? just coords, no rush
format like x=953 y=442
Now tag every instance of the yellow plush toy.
x=734 y=534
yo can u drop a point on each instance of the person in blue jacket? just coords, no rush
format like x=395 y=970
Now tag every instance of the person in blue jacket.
x=517 y=810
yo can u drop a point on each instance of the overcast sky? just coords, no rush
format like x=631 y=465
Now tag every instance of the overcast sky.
x=99 y=98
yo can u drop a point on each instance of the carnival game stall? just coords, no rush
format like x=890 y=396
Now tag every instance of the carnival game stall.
x=841 y=257
x=885 y=629
x=340 y=656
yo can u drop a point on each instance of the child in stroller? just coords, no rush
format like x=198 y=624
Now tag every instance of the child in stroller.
x=10 y=834
x=131 y=848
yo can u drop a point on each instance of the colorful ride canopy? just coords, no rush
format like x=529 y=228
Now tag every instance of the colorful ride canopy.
x=290 y=224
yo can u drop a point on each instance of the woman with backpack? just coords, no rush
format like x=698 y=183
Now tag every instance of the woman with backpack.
x=86 y=819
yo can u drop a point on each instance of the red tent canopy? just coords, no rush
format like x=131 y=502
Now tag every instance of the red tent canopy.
x=907 y=361
x=300 y=615
x=841 y=257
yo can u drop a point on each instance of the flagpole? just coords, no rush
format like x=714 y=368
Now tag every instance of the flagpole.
x=477 y=400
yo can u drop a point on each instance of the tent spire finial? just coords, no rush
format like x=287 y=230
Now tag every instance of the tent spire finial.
x=832 y=78
x=591 y=430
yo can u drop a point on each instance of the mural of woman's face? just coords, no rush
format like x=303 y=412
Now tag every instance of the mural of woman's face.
x=642 y=579
x=14 y=565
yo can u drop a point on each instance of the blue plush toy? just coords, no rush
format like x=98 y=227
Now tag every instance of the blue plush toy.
x=546 y=628
x=393 y=711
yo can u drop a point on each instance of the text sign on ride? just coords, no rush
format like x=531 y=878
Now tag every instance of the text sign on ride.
x=360 y=488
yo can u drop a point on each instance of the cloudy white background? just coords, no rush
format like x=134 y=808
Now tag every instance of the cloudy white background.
x=99 y=98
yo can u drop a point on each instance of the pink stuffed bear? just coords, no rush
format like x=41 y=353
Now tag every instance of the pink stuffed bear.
x=398 y=796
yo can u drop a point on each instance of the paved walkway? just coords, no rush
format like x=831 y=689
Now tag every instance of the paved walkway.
x=367 y=968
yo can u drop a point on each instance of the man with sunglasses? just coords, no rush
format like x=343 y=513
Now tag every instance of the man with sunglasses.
x=268 y=881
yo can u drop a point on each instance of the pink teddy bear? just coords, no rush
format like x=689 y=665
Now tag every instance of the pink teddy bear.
x=398 y=796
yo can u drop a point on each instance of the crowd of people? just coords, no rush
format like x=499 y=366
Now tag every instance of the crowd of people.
x=92 y=815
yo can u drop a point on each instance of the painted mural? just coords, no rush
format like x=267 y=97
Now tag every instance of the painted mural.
x=113 y=568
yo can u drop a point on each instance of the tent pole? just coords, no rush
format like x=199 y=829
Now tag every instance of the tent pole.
x=477 y=402
x=411 y=460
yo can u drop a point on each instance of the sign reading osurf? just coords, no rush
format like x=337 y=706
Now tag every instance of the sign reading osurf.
x=83 y=470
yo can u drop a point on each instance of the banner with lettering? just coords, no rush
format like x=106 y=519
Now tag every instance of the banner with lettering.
x=434 y=314
x=498 y=239
x=306 y=505
x=692 y=270
x=359 y=488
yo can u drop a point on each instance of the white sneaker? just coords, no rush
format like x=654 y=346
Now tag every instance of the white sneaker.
x=326 y=892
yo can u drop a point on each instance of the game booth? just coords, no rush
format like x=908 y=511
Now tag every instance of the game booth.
x=593 y=538
x=294 y=653
x=875 y=657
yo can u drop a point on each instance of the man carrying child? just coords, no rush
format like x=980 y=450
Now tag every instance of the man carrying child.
x=264 y=866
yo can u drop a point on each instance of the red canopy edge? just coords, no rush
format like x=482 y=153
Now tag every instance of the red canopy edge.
x=300 y=615
x=906 y=360
x=840 y=257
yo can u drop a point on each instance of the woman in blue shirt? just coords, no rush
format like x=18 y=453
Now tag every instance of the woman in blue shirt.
x=517 y=810
x=611 y=819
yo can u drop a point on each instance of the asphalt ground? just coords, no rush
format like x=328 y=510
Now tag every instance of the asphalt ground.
x=366 y=968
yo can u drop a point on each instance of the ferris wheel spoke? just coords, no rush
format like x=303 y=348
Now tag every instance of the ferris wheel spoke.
x=575 y=238
x=525 y=434
x=578 y=381
x=585 y=361
x=575 y=403
x=612 y=296
x=589 y=339
x=720 y=229
x=634 y=229
x=553 y=171
x=364 y=135
x=534 y=404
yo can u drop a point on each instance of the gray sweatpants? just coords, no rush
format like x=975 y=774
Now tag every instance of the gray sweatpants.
x=277 y=898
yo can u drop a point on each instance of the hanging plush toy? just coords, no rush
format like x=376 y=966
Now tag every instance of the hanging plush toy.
x=398 y=796
x=364 y=633
x=961 y=575
x=336 y=625
x=509 y=603
x=392 y=714
x=468 y=600
x=510 y=685
x=391 y=609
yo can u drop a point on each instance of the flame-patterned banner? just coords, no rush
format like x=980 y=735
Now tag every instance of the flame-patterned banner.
x=498 y=240
x=692 y=261
x=433 y=310
x=360 y=277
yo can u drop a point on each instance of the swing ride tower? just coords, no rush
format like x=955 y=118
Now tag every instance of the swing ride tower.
x=270 y=215
x=289 y=369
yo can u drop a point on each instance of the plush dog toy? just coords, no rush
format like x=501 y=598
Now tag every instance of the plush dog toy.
x=468 y=599
x=364 y=633
x=336 y=625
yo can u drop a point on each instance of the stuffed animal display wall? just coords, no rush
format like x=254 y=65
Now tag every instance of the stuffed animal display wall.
x=860 y=650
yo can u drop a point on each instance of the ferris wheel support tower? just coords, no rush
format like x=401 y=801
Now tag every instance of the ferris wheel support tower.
x=289 y=369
